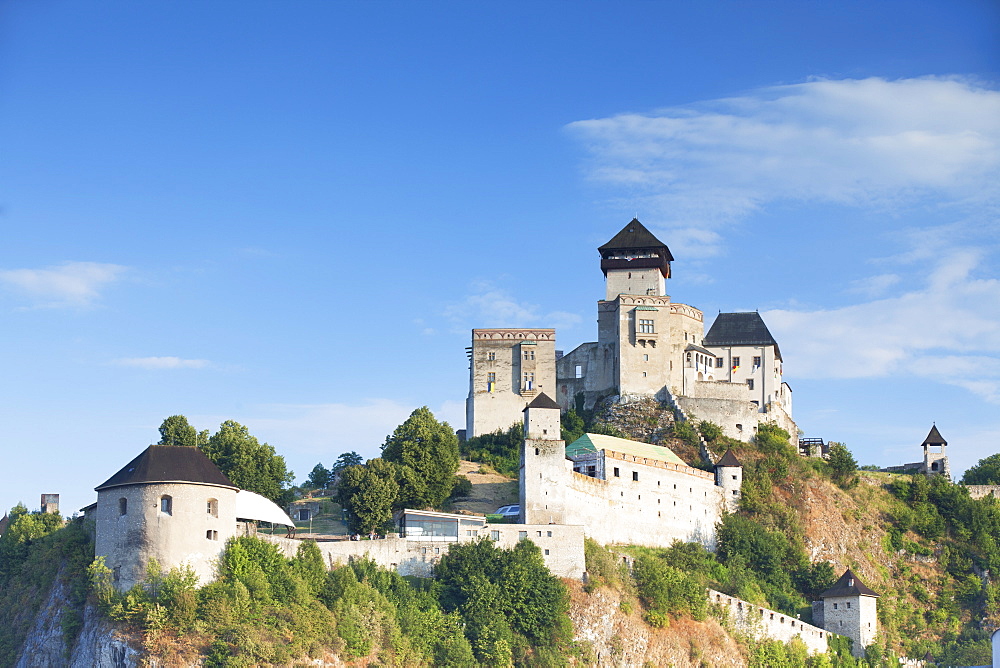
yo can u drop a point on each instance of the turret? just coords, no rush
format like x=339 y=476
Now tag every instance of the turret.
x=850 y=609
x=543 y=463
x=729 y=476
x=635 y=262
x=935 y=457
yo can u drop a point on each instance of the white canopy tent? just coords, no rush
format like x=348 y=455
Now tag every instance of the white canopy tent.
x=253 y=506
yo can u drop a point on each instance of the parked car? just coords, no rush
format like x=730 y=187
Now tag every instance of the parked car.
x=509 y=511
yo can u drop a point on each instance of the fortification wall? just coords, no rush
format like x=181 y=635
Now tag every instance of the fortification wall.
x=982 y=491
x=561 y=546
x=761 y=622
x=643 y=504
x=738 y=417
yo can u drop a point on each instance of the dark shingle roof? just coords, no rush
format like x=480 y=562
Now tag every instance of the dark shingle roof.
x=169 y=463
x=740 y=329
x=728 y=459
x=849 y=584
x=934 y=437
x=634 y=236
x=542 y=401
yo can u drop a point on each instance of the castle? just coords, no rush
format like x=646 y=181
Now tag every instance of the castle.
x=647 y=346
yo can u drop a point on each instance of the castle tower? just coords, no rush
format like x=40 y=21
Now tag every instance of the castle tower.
x=543 y=464
x=729 y=476
x=507 y=367
x=935 y=457
x=172 y=504
x=850 y=609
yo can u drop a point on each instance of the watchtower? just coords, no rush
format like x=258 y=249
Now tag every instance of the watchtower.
x=729 y=476
x=849 y=609
x=935 y=458
x=543 y=464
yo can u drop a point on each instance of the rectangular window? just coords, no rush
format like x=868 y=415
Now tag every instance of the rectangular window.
x=579 y=371
x=646 y=327
x=491 y=381
x=539 y=534
x=166 y=505
x=495 y=535
x=645 y=358
x=756 y=361
x=834 y=606
x=736 y=363
x=635 y=475
x=212 y=535
x=491 y=356
x=529 y=380
x=548 y=534
x=213 y=507
x=546 y=553
x=122 y=506
x=617 y=473
x=719 y=362
x=750 y=383
x=521 y=535
x=529 y=354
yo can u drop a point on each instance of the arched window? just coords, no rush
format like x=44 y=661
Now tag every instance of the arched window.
x=213 y=507
x=122 y=506
x=167 y=504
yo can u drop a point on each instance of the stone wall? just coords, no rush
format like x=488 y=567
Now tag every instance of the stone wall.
x=561 y=546
x=760 y=622
x=982 y=491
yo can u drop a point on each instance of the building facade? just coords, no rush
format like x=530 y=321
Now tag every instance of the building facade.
x=849 y=608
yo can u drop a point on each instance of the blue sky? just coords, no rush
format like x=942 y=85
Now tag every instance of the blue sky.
x=292 y=214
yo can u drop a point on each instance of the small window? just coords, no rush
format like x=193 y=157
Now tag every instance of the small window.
x=122 y=506
x=491 y=356
x=848 y=605
x=736 y=363
x=212 y=535
x=529 y=354
x=548 y=534
x=834 y=606
x=635 y=475
x=756 y=361
x=719 y=362
x=437 y=550
x=166 y=505
x=646 y=327
x=546 y=553
x=213 y=507
x=617 y=472
x=579 y=371
x=116 y=574
x=750 y=383
x=495 y=535
x=521 y=535
x=537 y=451
x=645 y=358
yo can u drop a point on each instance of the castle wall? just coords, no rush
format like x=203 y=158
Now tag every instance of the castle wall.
x=636 y=503
x=561 y=546
x=982 y=491
x=759 y=622
x=507 y=368
x=128 y=541
x=726 y=405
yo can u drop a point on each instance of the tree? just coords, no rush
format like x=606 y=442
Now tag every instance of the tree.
x=843 y=467
x=368 y=493
x=986 y=472
x=175 y=430
x=319 y=478
x=248 y=463
x=344 y=460
x=426 y=452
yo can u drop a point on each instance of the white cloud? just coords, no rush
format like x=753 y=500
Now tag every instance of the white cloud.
x=947 y=330
x=867 y=142
x=68 y=284
x=490 y=306
x=157 y=363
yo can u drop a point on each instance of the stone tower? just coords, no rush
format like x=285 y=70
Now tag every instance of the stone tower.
x=172 y=504
x=849 y=608
x=641 y=333
x=935 y=457
x=543 y=464
x=729 y=476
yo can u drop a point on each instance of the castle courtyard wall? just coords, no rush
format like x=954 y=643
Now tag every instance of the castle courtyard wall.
x=759 y=622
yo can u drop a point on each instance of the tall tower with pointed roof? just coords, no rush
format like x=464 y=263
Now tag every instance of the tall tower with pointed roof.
x=543 y=464
x=641 y=333
x=935 y=455
x=849 y=608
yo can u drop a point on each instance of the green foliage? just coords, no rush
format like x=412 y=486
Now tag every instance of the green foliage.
x=175 y=430
x=843 y=467
x=667 y=591
x=319 y=478
x=603 y=567
x=426 y=452
x=250 y=464
x=986 y=472
x=501 y=449
x=710 y=431
x=369 y=493
x=573 y=426
x=506 y=599
x=39 y=551
x=685 y=431
x=344 y=460
x=462 y=488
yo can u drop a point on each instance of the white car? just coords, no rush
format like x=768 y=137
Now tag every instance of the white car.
x=509 y=511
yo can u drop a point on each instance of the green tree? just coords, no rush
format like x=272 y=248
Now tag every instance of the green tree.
x=344 y=460
x=843 y=467
x=319 y=478
x=369 y=493
x=986 y=472
x=426 y=452
x=250 y=464
x=175 y=430
x=573 y=426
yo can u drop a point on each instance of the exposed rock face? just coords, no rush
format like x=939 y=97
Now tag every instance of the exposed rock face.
x=97 y=646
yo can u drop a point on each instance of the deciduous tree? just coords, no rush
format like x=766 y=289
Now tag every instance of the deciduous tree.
x=176 y=430
x=319 y=478
x=986 y=472
x=368 y=493
x=250 y=464
x=426 y=452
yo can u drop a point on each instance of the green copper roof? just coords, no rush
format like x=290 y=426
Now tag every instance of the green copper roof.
x=597 y=442
x=646 y=308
